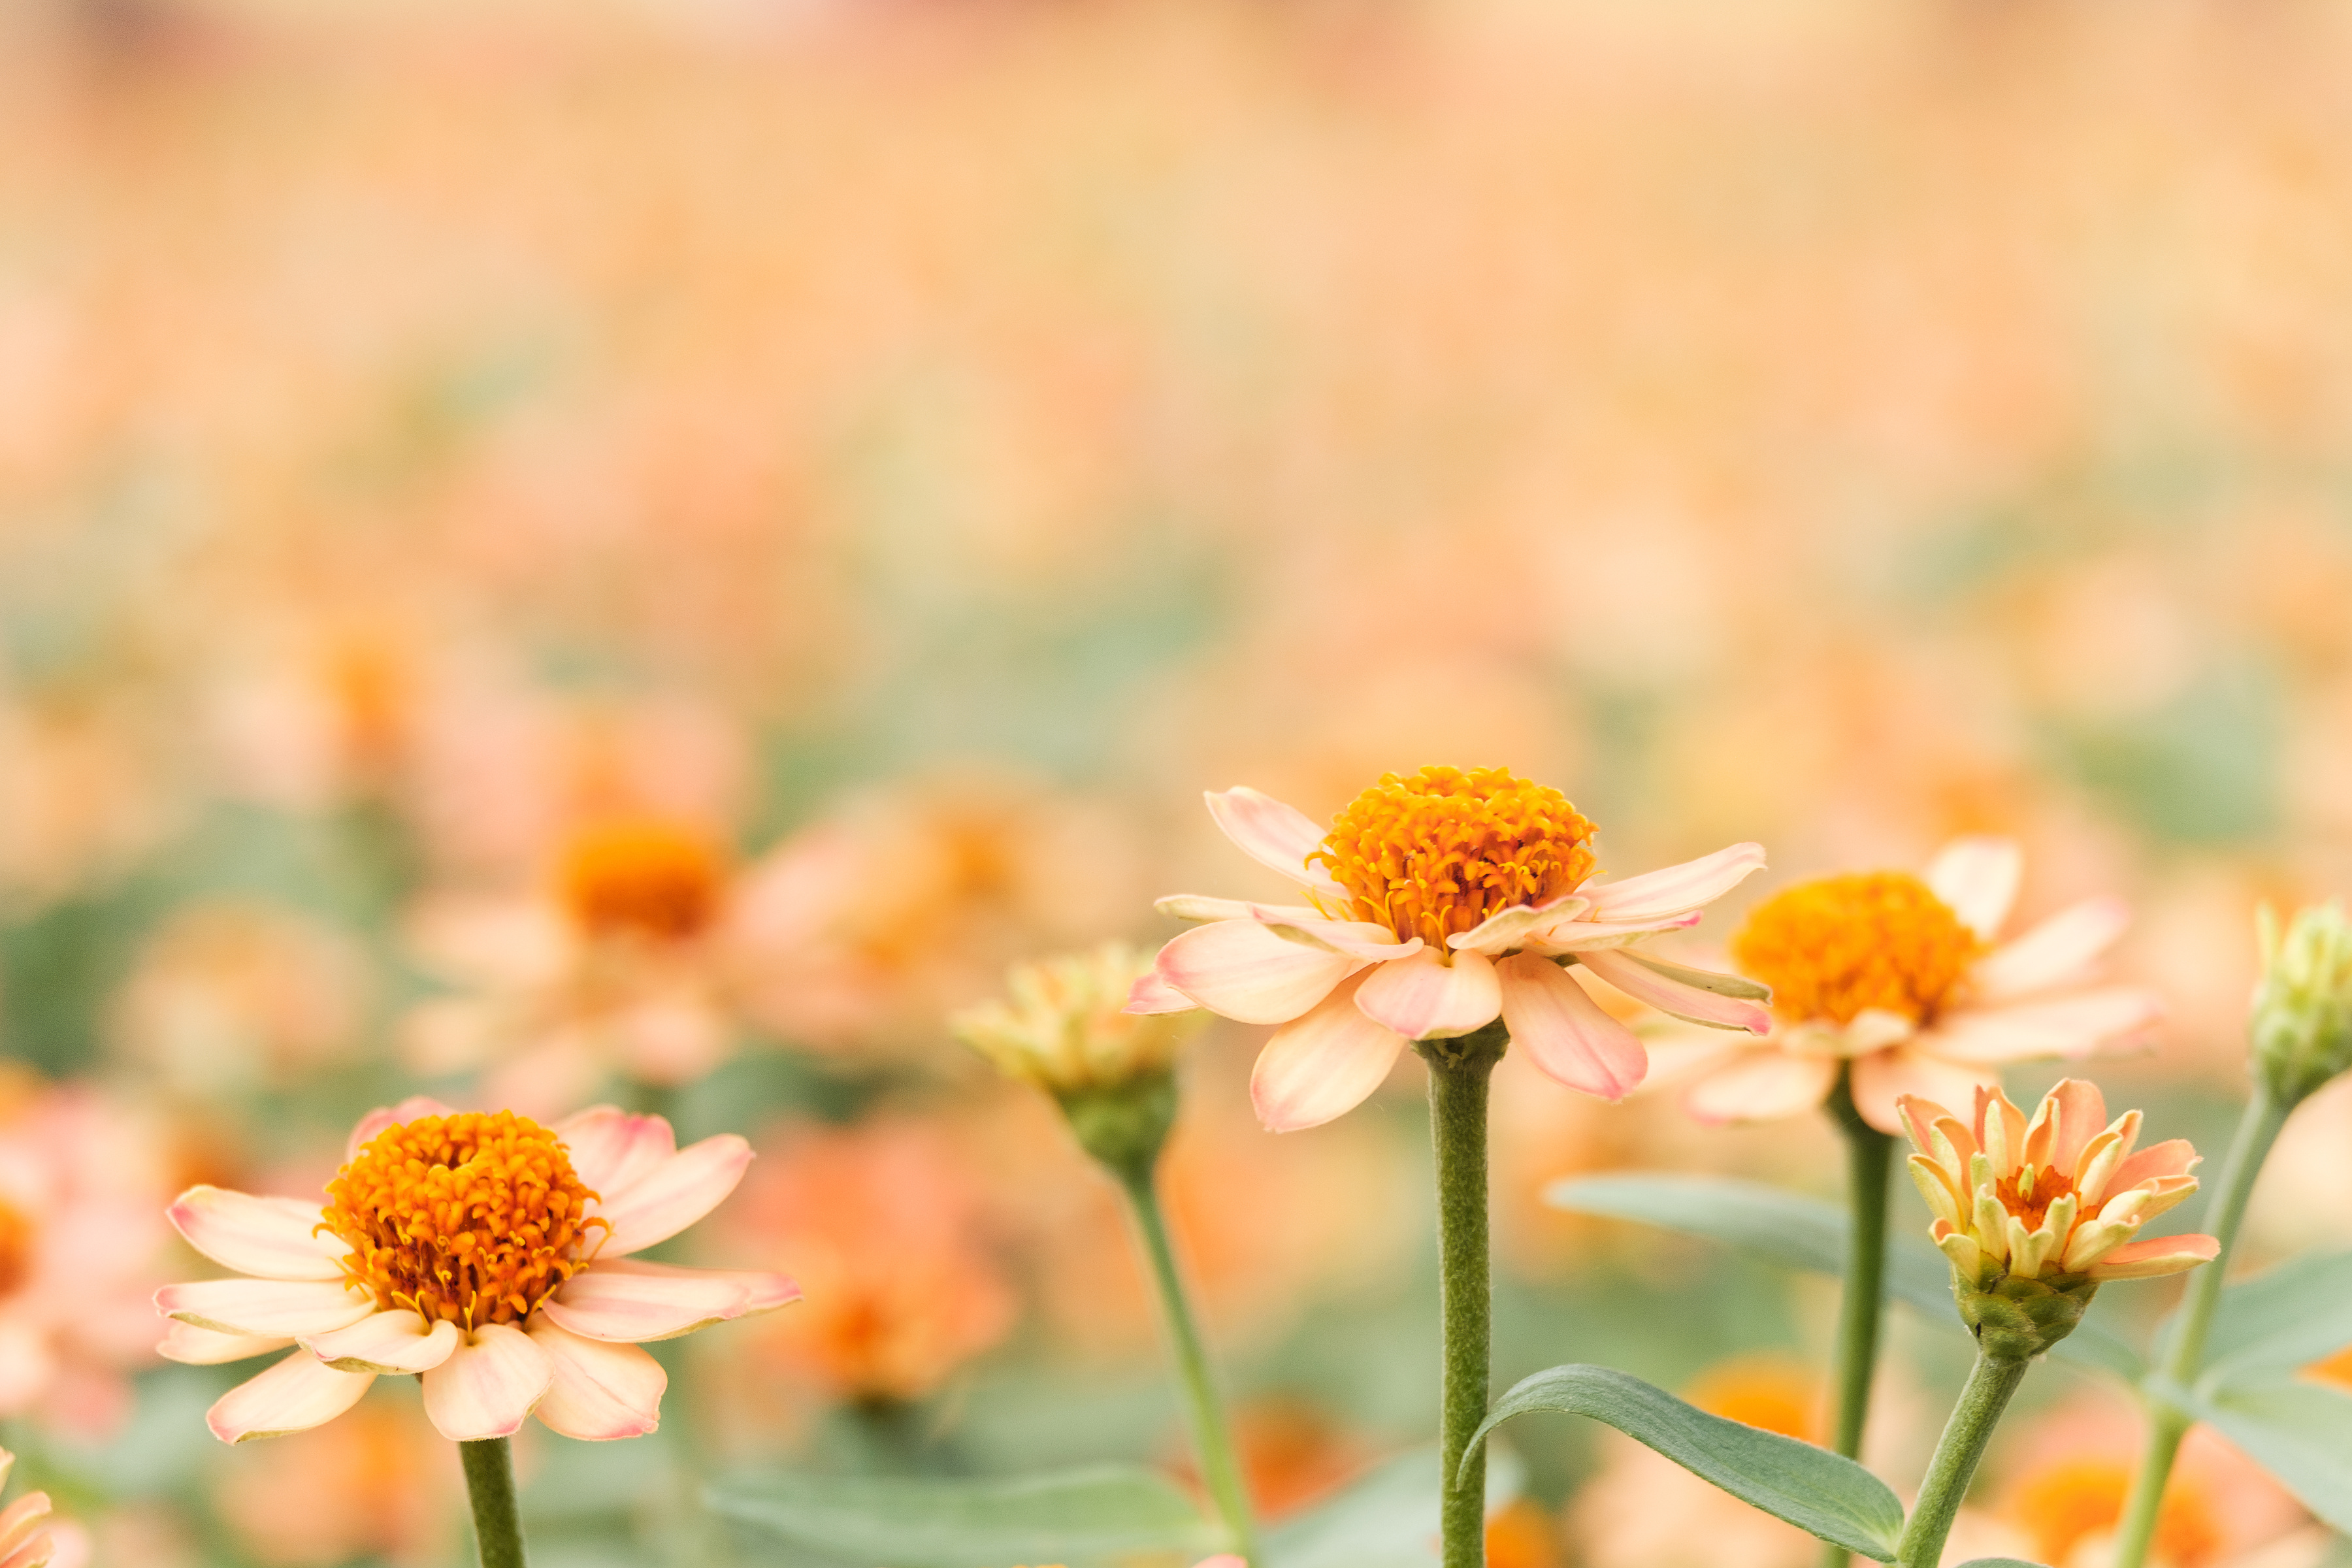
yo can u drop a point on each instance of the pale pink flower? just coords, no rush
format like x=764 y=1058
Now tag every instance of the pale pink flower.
x=1902 y=980
x=533 y=1305
x=1437 y=904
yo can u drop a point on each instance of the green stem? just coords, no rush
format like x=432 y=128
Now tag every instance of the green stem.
x=1863 y=1306
x=2258 y=1129
x=1458 y=1074
x=490 y=1481
x=1220 y=1466
x=1990 y=1384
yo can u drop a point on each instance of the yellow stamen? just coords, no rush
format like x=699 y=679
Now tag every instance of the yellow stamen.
x=1832 y=948
x=1433 y=855
x=473 y=1217
x=15 y=1246
x=642 y=876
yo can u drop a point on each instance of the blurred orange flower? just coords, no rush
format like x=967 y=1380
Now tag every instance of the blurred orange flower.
x=379 y=1483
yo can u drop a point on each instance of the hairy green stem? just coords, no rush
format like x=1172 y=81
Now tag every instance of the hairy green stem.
x=1212 y=1437
x=2258 y=1129
x=1863 y=1306
x=1458 y=1074
x=1990 y=1384
x=489 y=1482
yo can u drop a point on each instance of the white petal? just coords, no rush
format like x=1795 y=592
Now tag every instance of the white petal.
x=1356 y=938
x=397 y=1340
x=1201 y=907
x=1670 y=996
x=673 y=1194
x=289 y=1307
x=610 y=1148
x=1584 y=936
x=599 y=1391
x=294 y=1395
x=487 y=1385
x=271 y=1238
x=2058 y=952
x=1565 y=1032
x=1506 y=928
x=1272 y=833
x=1243 y=971
x=193 y=1346
x=2069 y=1026
x=1152 y=995
x=1425 y=998
x=1675 y=889
x=1977 y=877
x=1762 y=1083
x=1323 y=1063
x=626 y=1301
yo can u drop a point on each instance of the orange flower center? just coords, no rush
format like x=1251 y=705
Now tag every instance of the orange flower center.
x=1842 y=945
x=1433 y=855
x=2028 y=1194
x=642 y=876
x=2077 y=1498
x=15 y=1246
x=473 y=1217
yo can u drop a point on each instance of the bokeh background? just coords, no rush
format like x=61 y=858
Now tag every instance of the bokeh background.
x=894 y=454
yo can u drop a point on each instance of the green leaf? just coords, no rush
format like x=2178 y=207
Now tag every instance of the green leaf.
x=1386 y=1519
x=2300 y=1432
x=2279 y=1320
x=1812 y=1488
x=1104 y=1517
x=1801 y=1232
x=1721 y=985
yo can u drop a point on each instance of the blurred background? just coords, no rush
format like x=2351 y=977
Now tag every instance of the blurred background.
x=861 y=468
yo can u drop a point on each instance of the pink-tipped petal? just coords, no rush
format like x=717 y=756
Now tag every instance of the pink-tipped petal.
x=384 y=1116
x=1564 y=1031
x=1322 y=1065
x=1153 y=994
x=1884 y=1076
x=1675 y=889
x=1243 y=971
x=599 y=1391
x=2059 y=951
x=673 y=1194
x=1669 y=995
x=272 y=1239
x=2173 y=1157
x=1423 y=997
x=191 y=1346
x=292 y=1307
x=1272 y=833
x=612 y=1148
x=628 y=1302
x=1978 y=877
x=298 y=1394
x=1762 y=1083
x=1589 y=936
x=1917 y=1116
x=394 y=1341
x=487 y=1385
x=2154 y=1256
x=2064 y=1026
x=1356 y=938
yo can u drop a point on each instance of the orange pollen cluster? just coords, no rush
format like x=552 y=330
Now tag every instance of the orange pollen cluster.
x=474 y=1218
x=1434 y=854
x=643 y=877
x=1842 y=945
x=15 y=1246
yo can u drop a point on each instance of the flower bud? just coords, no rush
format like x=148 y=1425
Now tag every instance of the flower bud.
x=2301 y=1023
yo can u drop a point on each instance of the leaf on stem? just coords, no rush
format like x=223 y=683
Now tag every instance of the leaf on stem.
x=1092 y=1518
x=1812 y=1488
x=2300 y=1432
x=2278 y=1321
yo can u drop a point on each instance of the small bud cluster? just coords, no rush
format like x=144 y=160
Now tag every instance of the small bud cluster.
x=1063 y=1027
x=2301 y=1023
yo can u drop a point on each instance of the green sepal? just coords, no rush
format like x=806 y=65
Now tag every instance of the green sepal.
x=2016 y=1319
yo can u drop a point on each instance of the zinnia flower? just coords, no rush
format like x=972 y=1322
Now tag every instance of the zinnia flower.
x=2036 y=1214
x=480 y=1250
x=1899 y=977
x=1436 y=904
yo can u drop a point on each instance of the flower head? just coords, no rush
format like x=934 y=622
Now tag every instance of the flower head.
x=2302 y=1017
x=1438 y=902
x=480 y=1250
x=1065 y=1027
x=2036 y=1214
x=1899 y=979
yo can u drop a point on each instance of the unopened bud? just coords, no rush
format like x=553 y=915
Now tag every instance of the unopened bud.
x=2301 y=1023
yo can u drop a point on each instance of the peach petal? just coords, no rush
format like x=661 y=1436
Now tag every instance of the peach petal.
x=1151 y=993
x=2173 y=1157
x=629 y=1303
x=1272 y=832
x=1672 y=997
x=294 y=1395
x=1978 y=877
x=38 y=1552
x=1243 y=971
x=292 y=1307
x=1423 y=997
x=2057 y=951
x=272 y=1239
x=1762 y=1083
x=191 y=1346
x=1323 y=1063
x=396 y=1340
x=1881 y=1078
x=21 y=1519
x=1564 y=1031
x=487 y=1385
x=598 y=1392
x=1674 y=889
x=2081 y=1116
x=673 y=1194
x=2154 y=1256
x=611 y=1148
x=2066 y=1026
x=384 y=1116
